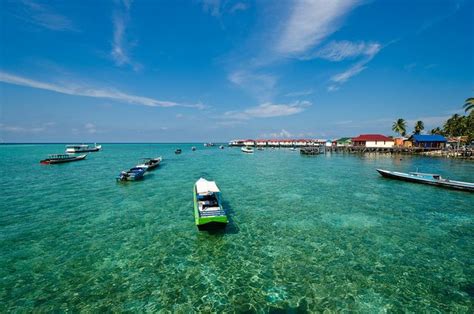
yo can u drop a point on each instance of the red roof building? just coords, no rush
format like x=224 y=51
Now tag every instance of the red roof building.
x=373 y=140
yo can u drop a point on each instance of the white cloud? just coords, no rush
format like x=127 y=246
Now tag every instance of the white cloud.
x=258 y=84
x=353 y=70
x=269 y=110
x=342 y=50
x=239 y=6
x=282 y=134
x=368 y=51
x=29 y=129
x=120 y=46
x=310 y=22
x=300 y=93
x=93 y=92
x=44 y=16
x=90 y=128
x=213 y=7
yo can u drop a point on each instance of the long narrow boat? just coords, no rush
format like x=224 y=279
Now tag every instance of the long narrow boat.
x=62 y=158
x=428 y=178
x=133 y=174
x=208 y=210
x=150 y=163
x=248 y=150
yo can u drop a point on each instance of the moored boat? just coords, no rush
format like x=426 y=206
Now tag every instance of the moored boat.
x=62 y=158
x=427 y=178
x=221 y=147
x=208 y=210
x=193 y=148
x=81 y=148
x=246 y=149
x=178 y=151
x=133 y=174
x=150 y=163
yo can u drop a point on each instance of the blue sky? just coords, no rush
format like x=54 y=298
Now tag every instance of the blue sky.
x=215 y=70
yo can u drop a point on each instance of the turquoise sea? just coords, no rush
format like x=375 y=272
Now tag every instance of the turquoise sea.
x=307 y=233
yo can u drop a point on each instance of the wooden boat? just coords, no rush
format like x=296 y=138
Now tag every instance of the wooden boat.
x=178 y=151
x=208 y=210
x=133 y=174
x=427 y=178
x=316 y=150
x=81 y=148
x=246 y=149
x=150 y=163
x=62 y=158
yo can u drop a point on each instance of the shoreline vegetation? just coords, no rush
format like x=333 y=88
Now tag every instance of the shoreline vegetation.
x=454 y=140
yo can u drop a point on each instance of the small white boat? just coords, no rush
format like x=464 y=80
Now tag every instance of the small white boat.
x=246 y=149
x=82 y=148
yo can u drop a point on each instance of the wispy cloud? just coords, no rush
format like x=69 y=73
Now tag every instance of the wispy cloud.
x=239 y=6
x=282 y=134
x=353 y=70
x=90 y=128
x=213 y=7
x=269 y=110
x=30 y=129
x=342 y=50
x=259 y=85
x=87 y=91
x=338 y=52
x=310 y=22
x=120 y=45
x=300 y=93
x=44 y=16
x=217 y=7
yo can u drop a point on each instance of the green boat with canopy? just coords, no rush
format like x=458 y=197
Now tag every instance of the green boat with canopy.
x=208 y=210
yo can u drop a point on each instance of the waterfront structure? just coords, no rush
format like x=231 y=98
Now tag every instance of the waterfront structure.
x=373 y=140
x=456 y=141
x=343 y=142
x=261 y=143
x=279 y=142
x=249 y=143
x=428 y=140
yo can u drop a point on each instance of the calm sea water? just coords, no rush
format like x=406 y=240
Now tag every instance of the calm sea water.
x=307 y=233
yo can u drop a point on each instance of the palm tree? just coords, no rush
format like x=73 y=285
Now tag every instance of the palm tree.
x=436 y=131
x=419 y=126
x=469 y=105
x=400 y=127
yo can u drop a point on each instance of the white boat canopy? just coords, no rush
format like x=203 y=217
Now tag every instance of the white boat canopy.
x=206 y=187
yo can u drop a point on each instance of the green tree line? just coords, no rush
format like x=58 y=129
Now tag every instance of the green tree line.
x=457 y=125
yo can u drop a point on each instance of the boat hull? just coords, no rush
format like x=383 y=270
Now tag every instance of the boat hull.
x=455 y=185
x=61 y=161
x=73 y=151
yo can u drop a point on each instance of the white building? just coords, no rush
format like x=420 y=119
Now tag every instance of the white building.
x=373 y=140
